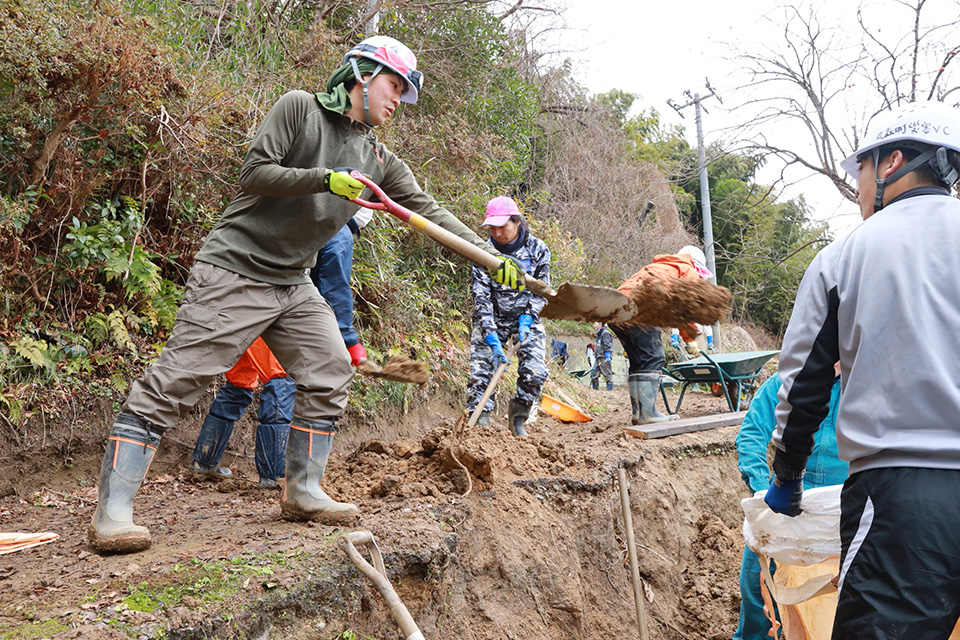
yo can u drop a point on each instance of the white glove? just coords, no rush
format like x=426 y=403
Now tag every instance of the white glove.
x=362 y=217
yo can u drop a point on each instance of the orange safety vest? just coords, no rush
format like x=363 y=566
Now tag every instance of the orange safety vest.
x=257 y=364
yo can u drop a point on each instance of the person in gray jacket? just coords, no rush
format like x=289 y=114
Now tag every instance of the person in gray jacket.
x=884 y=299
x=604 y=354
x=249 y=280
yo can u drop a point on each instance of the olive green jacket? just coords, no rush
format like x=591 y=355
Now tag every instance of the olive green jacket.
x=273 y=229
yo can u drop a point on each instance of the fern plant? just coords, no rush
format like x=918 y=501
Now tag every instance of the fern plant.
x=36 y=356
x=109 y=328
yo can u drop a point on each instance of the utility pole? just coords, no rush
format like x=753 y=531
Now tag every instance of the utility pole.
x=374 y=22
x=695 y=100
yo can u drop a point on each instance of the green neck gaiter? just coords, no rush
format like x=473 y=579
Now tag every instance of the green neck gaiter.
x=337 y=98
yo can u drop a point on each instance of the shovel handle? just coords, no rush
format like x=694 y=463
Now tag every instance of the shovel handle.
x=511 y=350
x=466 y=249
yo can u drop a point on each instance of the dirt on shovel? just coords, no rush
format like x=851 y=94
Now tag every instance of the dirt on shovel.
x=398 y=368
x=672 y=303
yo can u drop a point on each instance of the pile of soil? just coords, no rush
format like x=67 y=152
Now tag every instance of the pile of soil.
x=535 y=551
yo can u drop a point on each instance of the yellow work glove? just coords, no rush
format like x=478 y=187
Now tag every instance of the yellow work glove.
x=339 y=183
x=509 y=274
x=693 y=348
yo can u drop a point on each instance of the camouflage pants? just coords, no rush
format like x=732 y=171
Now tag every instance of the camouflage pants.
x=531 y=372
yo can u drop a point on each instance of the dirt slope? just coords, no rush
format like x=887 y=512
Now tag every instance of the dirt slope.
x=536 y=551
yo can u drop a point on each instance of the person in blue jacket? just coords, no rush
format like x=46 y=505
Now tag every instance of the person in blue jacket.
x=331 y=274
x=824 y=468
x=604 y=353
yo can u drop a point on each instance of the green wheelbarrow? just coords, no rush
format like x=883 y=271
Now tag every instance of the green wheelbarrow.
x=734 y=372
x=581 y=373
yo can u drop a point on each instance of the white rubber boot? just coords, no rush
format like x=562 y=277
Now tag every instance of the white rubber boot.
x=308 y=448
x=130 y=450
x=648 y=384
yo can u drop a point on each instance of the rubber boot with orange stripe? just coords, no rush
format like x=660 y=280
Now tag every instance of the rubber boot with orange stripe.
x=308 y=448
x=130 y=450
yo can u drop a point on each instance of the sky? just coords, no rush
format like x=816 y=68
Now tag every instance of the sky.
x=662 y=49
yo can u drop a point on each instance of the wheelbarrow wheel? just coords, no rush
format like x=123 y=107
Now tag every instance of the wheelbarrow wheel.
x=746 y=393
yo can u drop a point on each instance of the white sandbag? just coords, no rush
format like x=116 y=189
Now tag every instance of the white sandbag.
x=807 y=539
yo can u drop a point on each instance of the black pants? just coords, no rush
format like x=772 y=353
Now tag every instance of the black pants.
x=643 y=346
x=900 y=559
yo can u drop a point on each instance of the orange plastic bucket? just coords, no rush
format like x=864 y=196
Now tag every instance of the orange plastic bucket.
x=562 y=411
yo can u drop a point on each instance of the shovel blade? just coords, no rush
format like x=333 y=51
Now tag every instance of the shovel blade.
x=588 y=303
x=397 y=369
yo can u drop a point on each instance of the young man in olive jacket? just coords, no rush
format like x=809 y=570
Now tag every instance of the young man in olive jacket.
x=249 y=280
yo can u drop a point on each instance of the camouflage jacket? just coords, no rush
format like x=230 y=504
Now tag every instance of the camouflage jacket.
x=495 y=304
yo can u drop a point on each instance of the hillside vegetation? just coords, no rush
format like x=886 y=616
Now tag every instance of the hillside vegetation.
x=123 y=124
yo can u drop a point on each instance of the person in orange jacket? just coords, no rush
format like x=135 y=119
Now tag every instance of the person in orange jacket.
x=643 y=344
x=256 y=365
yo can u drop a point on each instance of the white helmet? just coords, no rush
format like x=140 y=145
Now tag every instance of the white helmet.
x=699 y=260
x=927 y=123
x=694 y=252
x=393 y=55
x=928 y=127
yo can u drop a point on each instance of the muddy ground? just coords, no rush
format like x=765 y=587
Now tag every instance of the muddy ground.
x=536 y=551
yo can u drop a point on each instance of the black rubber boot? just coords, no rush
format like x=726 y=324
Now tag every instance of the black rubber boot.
x=130 y=450
x=636 y=417
x=519 y=413
x=609 y=386
x=595 y=383
x=308 y=448
x=648 y=384
x=484 y=419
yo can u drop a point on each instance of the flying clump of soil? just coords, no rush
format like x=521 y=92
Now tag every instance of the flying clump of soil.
x=398 y=368
x=671 y=303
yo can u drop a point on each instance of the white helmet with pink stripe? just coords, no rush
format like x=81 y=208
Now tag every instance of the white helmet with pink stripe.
x=396 y=57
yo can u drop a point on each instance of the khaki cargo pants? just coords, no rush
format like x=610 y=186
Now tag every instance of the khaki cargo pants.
x=221 y=314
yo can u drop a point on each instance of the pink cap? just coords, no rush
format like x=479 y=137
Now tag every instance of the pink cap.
x=499 y=211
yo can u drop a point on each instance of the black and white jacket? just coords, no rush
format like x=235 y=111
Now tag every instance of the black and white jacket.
x=885 y=301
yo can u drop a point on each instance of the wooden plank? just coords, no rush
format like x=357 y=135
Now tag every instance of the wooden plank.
x=684 y=425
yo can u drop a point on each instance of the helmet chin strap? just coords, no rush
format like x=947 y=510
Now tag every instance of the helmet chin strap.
x=364 y=85
x=932 y=155
x=878 y=199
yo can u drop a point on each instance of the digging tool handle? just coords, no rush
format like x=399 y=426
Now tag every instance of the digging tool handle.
x=511 y=350
x=632 y=552
x=466 y=249
x=378 y=576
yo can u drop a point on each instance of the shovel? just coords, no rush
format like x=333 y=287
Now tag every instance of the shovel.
x=586 y=303
x=377 y=574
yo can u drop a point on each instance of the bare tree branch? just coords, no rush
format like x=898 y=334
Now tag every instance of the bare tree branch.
x=829 y=83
